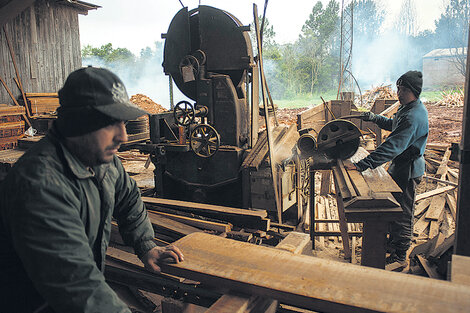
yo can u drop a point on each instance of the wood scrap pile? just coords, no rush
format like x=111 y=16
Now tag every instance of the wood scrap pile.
x=435 y=212
x=369 y=97
x=453 y=98
x=11 y=125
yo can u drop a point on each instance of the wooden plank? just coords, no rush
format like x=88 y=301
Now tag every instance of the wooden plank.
x=420 y=225
x=346 y=179
x=422 y=206
x=460 y=270
x=181 y=229
x=433 y=228
x=295 y=243
x=312 y=283
x=452 y=203
x=204 y=207
x=360 y=184
x=231 y=302
x=325 y=187
x=220 y=227
x=240 y=217
x=427 y=267
x=434 y=192
x=435 y=208
x=442 y=169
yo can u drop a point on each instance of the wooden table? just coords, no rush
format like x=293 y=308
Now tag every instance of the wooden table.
x=367 y=198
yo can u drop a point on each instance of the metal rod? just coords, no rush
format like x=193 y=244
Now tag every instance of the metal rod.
x=266 y=115
x=311 y=206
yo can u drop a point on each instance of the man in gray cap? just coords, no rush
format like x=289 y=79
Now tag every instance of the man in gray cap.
x=57 y=203
x=405 y=148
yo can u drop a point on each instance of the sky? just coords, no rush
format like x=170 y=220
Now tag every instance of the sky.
x=138 y=24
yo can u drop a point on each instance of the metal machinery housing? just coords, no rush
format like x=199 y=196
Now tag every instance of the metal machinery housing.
x=198 y=150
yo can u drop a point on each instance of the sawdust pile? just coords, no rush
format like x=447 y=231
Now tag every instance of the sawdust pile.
x=369 y=97
x=147 y=104
x=453 y=98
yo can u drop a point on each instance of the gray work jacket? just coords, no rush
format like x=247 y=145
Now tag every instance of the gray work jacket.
x=55 y=225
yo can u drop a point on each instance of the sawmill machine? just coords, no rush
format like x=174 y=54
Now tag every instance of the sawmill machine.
x=198 y=148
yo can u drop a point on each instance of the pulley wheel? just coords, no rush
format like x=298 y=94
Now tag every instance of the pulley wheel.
x=184 y=113
x=339 y=139
x=204 y=141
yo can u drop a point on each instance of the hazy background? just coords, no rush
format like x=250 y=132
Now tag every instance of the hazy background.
x=136 y=26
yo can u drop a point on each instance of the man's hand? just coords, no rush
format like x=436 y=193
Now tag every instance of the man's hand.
x=157 y=255
x=367 y=116
x=349 y=165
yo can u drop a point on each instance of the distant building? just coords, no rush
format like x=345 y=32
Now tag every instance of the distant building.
x=441 y=68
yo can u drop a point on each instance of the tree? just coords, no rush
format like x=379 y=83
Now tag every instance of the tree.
x=406 y=23
x=108 y=54
x=452 y=31
x=317 y=40
x=368 y=19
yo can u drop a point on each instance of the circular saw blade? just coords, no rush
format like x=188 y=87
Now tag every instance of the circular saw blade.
x=339 y=139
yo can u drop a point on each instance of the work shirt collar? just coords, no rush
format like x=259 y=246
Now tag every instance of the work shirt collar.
x=76 y=166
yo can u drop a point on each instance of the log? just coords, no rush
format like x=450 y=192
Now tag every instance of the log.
x=309 y=282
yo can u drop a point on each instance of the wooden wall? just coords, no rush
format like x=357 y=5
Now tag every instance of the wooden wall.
x=46 y=42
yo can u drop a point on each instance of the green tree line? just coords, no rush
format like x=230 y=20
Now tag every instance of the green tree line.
x=310 y=65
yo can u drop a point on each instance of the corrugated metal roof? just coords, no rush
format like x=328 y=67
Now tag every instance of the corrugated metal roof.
x=446 y=52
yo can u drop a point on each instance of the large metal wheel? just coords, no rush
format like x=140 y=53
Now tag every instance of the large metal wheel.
x=204 y=141
x=184 y=113
x=339 y=139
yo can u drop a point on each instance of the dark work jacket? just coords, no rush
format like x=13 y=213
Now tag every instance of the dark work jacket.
x=404 y=146
x=55 y=224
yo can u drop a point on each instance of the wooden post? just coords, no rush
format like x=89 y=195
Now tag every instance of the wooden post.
x=462 y=231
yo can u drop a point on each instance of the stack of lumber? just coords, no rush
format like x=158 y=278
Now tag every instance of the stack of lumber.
x=453 y=98
x=42 y=103
x=174 y=219
x=11 y=125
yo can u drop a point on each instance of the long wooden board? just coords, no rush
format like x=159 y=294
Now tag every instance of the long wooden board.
x=310 y=282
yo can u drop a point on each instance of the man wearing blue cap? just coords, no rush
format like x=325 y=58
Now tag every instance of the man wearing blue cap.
x=405 y=148
x=57 y=203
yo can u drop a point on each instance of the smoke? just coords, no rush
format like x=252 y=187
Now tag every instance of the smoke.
x=383 y=60
x=143 y=75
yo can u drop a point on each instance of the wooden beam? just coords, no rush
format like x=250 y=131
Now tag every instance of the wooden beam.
x=255 y=219
x=310 y=282
x=434 y=192
x=460 y=269
x=295 y=243
x=220 y=227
